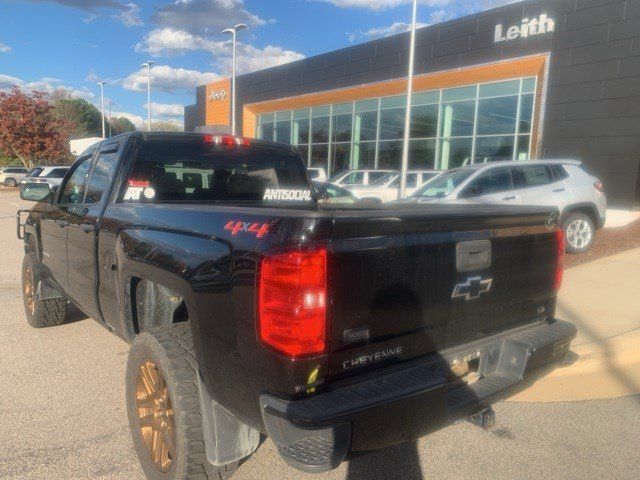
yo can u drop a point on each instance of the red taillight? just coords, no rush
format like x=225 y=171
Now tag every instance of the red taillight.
x=292 y=303
x=226 y=140
x=599 y=186
x=559 y=260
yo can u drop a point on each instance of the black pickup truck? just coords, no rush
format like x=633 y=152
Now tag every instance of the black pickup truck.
x=254 y=305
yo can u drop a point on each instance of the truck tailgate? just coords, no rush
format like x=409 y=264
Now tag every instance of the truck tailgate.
x=393 y=279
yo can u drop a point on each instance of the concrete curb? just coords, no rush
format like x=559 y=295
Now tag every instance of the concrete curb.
x=606 y=369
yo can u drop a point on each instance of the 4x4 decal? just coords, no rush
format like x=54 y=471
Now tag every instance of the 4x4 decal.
x=236 y=226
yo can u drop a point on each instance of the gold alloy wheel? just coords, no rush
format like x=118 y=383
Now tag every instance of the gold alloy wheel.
x=28 y=291
x=155 y=415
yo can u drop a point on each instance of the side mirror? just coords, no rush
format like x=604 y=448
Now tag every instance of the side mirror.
x=34 y=192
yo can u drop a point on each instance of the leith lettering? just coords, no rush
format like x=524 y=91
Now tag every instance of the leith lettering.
x=527 y=28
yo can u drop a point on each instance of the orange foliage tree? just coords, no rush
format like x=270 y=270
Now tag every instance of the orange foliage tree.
x=30 y=130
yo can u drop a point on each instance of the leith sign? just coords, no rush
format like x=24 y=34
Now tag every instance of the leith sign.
x=527 y=28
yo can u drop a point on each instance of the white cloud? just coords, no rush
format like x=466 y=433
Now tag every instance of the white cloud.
x=166 y=110
x=47 y=85
x=168 y=79
x=379 y=5
x=205 y=16
x=167 y=41
x=4 y=48
x=130 y=16
x=137 y=120
x=379 y=32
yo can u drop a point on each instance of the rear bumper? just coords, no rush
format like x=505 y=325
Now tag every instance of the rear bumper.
x=317 y=433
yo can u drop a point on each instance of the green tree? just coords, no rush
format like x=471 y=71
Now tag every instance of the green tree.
x=166 y=126
x=85 y=116
x=31 y=131
x=121 y=125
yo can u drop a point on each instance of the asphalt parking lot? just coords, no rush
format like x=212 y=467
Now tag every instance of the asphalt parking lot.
x=62 y=415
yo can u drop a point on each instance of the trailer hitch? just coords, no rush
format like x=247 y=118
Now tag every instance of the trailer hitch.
x=485 y=419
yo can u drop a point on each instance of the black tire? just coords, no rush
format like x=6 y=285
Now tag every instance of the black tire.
x=170 y=350
x=579 y=232
x=40 y=313
x=10 y=182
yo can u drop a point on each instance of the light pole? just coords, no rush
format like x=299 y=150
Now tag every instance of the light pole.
x=234 y=32
x=110 y=122
x=102 y=83
x=407 y=119
x=148 y=66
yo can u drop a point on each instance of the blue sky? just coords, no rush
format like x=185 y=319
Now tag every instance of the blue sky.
x=71 y=44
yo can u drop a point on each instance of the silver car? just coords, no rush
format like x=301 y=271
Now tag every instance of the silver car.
x=564 y=184
x=52 y=176
x=10 y=176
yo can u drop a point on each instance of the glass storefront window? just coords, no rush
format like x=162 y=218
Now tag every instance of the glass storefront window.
x=424 y=121
x=320 y=130
x=526 y=113
x=390 y=154
x=319 y=156
x=499 y=89
x=342 y=128
x=458 y=118
x=497 y=115
x=341 y=156
x=365 y=126
x=392 y=124
x=522 y=153
x=364 y=155
x=455 y=152
x=493 y=149
x=304 y=151
x=283 y=131
x=449 y=128
x=301 y=130
x=266 y=131
x=422 y=154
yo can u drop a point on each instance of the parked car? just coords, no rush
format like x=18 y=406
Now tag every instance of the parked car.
x=317 y=174
x=330 y=193
x=579 y=196
x=386 y=188
x=254 y=310
x=52 y=176
x=356 y=178
x=11 y=176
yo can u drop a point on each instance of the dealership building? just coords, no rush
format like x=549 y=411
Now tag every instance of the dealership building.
x=537 y=79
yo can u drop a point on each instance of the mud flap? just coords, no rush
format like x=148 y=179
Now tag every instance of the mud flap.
x=226 y=439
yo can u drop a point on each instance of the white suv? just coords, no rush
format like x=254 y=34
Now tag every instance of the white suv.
x=385 y=188
x=10 y=176
x=564 y=184
x=52 y=176
x=357 y=178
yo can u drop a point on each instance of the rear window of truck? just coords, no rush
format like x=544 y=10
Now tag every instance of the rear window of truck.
x=198 y=172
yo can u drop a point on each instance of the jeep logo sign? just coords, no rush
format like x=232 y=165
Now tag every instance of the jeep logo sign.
x=218 y=95
x=527 y=28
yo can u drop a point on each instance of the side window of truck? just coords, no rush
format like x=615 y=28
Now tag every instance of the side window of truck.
x=100 y=177
x=493 y=181
x=73 y=189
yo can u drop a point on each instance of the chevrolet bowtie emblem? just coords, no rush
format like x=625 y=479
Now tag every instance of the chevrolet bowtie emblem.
x=472 y=288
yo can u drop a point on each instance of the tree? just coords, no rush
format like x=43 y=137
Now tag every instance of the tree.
x=121 y=125
x=86 y=117
x=30 y=130
x=166 y=126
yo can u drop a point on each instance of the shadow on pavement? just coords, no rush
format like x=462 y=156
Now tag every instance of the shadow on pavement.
x=397 y=462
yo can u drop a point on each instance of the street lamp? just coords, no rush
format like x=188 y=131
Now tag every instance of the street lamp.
x=407 y=119
x=102 y=83
x=148 y=66
x=234 y=31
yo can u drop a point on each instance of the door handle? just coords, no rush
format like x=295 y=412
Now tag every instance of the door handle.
x=510 y=197
x=558 y=190
x=62 y=223
x=87 y=227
